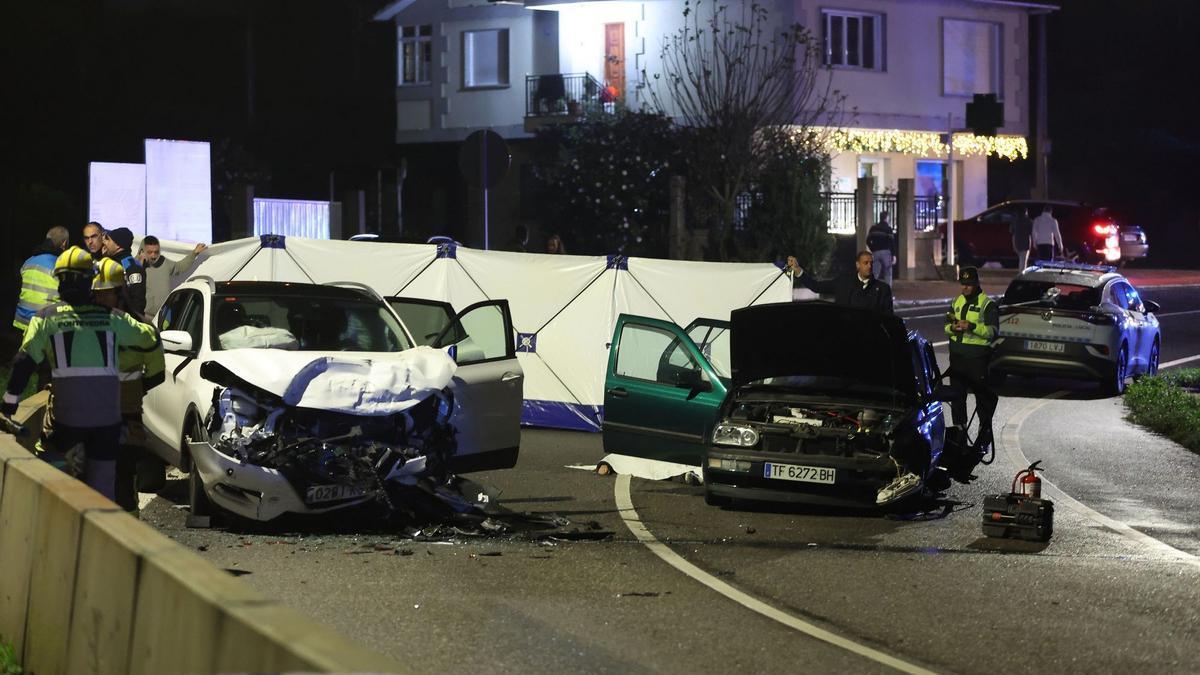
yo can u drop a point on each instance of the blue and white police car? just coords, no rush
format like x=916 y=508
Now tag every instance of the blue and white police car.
x=1079 y=321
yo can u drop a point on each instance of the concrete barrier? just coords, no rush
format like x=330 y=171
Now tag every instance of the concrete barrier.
x=84 y=587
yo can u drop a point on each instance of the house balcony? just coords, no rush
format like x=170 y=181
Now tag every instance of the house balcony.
x=561 y=98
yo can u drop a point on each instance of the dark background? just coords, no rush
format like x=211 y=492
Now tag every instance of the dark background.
x=288 y=92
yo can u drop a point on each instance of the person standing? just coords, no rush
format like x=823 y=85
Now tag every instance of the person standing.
x=1022 y=233
x=93 y=239
x=554 y=245
x=80 y=339
x=881 y=241
x=1046 y=235
x=856 y=289
x=972 y=325
x=39 y=288
x=140 y=370
x=117 y=244
x=160 y=270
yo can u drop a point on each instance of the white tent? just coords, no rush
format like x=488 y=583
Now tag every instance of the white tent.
x=564 y=307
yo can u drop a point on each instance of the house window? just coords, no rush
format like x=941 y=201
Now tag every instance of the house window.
x=485 y=58
x=852 y=39
x=416 y=54
x=970 y=58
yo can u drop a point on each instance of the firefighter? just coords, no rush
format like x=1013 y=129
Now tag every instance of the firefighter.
x=141 y=369
x=80 y=339
x=972 y=325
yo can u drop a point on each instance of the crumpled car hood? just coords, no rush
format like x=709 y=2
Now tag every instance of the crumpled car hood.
x=367 y=383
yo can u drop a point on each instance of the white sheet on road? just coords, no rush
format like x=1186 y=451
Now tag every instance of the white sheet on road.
x=564 y=307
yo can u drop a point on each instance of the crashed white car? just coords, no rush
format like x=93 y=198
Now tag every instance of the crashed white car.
x=305 y=398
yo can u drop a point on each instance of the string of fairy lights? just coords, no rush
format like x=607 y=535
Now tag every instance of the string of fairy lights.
x=925 y=143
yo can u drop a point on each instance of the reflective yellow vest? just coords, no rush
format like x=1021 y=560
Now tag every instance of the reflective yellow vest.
x=39 y=288
x=982 y=334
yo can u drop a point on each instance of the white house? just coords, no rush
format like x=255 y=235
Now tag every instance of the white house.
x=908 y=67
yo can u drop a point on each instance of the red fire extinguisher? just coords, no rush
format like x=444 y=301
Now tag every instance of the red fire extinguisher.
x=1029 y=484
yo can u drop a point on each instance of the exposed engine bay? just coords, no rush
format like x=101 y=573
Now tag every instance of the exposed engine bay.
x=819 y=428
x=333 y=456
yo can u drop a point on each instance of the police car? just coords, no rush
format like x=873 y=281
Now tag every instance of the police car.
x=1075 y=320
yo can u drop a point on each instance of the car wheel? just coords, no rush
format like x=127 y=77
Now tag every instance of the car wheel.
x=199 y=506
x=716 y=500
x=1152 y=362
x=1120 y=371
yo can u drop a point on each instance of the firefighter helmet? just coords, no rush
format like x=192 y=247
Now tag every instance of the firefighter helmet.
x=74 y=260
x=109 y=275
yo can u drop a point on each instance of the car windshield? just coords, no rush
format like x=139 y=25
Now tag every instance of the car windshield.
x=298 y=323
x=1051 y=294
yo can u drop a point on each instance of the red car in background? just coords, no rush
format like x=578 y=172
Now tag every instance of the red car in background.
x=1091 y=234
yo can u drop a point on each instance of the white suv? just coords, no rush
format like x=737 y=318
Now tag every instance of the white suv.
x=304 y=398
x=1076 y=320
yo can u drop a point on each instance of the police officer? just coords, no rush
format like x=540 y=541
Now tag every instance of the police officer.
x=972 y=325
x=117 y=245
x=80 y=339
x=141 y=369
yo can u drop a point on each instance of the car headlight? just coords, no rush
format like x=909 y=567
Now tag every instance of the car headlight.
x=735 y=434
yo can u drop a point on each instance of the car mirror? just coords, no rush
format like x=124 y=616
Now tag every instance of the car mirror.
x=176 y=341
x=694 y=381
x=1152 y=307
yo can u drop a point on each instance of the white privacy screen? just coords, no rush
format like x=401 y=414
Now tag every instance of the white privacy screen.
x=117 y=195
x=291 y=217
x=178 y=190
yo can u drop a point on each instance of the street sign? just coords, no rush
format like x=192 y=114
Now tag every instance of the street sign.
x=484 y=158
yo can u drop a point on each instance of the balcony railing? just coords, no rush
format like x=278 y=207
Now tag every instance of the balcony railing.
x=843 y=212
x=565 y=95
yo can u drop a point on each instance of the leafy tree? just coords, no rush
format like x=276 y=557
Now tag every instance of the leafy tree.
x=728 y=75
x=605 y=182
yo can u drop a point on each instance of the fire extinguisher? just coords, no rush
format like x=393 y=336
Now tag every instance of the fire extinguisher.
x=1030 y=484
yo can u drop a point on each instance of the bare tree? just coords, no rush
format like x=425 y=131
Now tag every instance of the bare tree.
x=730 y=72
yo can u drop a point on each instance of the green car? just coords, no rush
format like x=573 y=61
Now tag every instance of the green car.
x=808 y=402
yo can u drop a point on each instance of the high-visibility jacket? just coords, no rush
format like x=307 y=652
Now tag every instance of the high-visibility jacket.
x=39 y=288
x=140 y=369
x=81 y=342
x=983 y=315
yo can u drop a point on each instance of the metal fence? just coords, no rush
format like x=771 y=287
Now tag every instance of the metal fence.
x=843 y=211
x=562 y=94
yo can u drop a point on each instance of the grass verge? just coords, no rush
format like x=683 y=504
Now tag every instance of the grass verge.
x=8 y=660
x=1166 y=404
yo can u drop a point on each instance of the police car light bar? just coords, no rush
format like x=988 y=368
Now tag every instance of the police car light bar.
x=1081 y=267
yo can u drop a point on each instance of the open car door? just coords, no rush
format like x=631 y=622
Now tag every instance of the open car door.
x=487 y=386
x=661 y=392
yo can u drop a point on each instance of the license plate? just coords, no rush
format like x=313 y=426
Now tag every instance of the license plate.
x=332 y=493
x=1038 y=345
x=1129 y=237
x=803 y=474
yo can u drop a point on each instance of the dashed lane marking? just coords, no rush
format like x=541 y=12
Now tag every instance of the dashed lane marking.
x=664 y=552
x=1012 y=442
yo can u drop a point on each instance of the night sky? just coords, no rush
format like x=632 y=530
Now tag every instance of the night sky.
x=289 y=90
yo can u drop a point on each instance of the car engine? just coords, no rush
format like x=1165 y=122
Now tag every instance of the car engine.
x=826 y=429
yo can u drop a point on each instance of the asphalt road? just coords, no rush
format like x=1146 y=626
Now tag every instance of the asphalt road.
x=1116 y=590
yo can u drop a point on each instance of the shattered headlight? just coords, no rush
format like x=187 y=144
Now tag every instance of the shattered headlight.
x=738 y=435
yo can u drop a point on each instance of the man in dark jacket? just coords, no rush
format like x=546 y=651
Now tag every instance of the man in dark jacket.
x=117 y=245
x=881 y=241
x=858 y=289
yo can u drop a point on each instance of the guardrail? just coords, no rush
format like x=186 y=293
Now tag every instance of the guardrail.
x=84 y=587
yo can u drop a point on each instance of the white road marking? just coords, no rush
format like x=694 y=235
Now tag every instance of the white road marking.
x=943 y=343
x=581 y=467
x=1012 y=443
x=144 y=499
x=635 y=525
x=1177 y=362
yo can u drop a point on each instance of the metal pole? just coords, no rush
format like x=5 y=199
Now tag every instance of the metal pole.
x=483 y=163
x=949 y=191
x=1042 y=181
